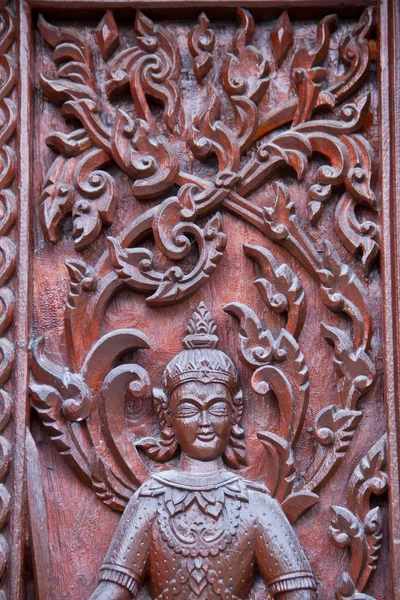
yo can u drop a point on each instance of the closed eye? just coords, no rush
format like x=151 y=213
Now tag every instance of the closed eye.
x=186 y=410
x=219 y=409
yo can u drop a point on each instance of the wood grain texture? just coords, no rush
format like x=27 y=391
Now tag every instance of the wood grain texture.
x=195 y=212
x=390 y=181
x=21 y=403
x=245 y=179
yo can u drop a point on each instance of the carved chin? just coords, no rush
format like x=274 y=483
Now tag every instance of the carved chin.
x=205 y=448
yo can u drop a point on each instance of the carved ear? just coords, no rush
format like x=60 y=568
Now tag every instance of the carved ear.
x=237 y=406
x=161 y=406
x=166 y=448
x=235 y=453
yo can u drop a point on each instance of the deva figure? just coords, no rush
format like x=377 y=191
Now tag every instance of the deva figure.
x=201 y=532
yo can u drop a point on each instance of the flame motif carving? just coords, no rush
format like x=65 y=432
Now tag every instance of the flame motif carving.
x=244 y=146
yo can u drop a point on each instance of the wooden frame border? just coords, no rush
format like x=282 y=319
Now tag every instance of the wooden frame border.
x=389 y=75
x=133 y=4
x=389 y=81
x=23 y=309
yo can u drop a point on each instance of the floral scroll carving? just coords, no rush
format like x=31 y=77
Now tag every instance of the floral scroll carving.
x=358 y=526
x=196 y=155
x=145 y=150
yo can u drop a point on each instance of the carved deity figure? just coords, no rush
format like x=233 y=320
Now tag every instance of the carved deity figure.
x=202 y=532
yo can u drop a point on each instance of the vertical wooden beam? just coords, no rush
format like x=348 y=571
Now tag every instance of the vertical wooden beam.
x=21 y=405
x=390 y=197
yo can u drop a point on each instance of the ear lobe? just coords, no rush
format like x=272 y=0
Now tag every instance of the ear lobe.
x=166 y=448
x=237 y=405
x=161 y=406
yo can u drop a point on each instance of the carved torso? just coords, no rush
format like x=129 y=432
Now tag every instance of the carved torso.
x=205 y=538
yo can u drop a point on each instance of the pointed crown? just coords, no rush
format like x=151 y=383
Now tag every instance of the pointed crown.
x=201 y=360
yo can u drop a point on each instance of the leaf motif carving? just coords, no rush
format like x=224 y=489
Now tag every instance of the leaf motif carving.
x=150 y=69
x=279 y=366
x=281 y=37
x=355 y=52
x=361 y=530
x=282 y=472
x=148 y=159
x=77 y=185
x=308 y=74
x=344 y=292
x=107 y=35
x=245 y=91
x=201 y=42
x=74 y=77
x=334 y=430
x=280 y=288
x=135 y=266
x=210 y=136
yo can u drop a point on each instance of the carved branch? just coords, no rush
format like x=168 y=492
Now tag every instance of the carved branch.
x=361 y=530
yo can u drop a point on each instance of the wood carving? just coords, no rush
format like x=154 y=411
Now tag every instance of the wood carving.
x=358 y=526
x=191 y=151
x=8 y=261
x=189 y=524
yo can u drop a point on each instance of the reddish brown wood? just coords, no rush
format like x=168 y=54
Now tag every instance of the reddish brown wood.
x=390 y=179
x=87 y=388
x=213 y=180
x=282 y=5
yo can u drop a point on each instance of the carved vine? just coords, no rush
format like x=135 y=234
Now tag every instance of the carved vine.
x=357 y=526
x=144 y=148
x=279 y=366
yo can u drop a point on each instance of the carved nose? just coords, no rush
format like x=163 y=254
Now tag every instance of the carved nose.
x=204 y=421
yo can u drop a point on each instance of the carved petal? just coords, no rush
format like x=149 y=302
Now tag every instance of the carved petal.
x=281 y=37
x=201 y=42
x=148 y=159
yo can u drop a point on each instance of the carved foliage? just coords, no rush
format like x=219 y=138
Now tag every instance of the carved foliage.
x=280 y=367
x=335 y=425
x=237 y=112
x=344 y=293
x=201 y=42
x=151 y=68
x=359 y=527
x=74 y=182
x=64 y=398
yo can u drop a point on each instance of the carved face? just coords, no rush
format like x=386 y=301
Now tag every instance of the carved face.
x=202 y=418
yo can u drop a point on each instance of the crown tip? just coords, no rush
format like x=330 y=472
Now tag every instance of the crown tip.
x=201 y=329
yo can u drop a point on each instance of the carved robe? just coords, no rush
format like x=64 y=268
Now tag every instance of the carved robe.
x=205 y=538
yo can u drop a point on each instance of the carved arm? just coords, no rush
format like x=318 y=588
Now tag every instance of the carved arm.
x=111 y=591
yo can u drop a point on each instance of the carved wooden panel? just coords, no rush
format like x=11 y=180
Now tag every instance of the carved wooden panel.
x=205 y=302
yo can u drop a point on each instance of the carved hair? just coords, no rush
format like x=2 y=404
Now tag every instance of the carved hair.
x=199 y=361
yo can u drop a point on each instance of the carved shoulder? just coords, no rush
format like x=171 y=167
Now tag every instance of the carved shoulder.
x=126 y=559
x=280 y=558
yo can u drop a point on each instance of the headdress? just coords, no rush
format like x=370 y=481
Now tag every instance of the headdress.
x=201 y=360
